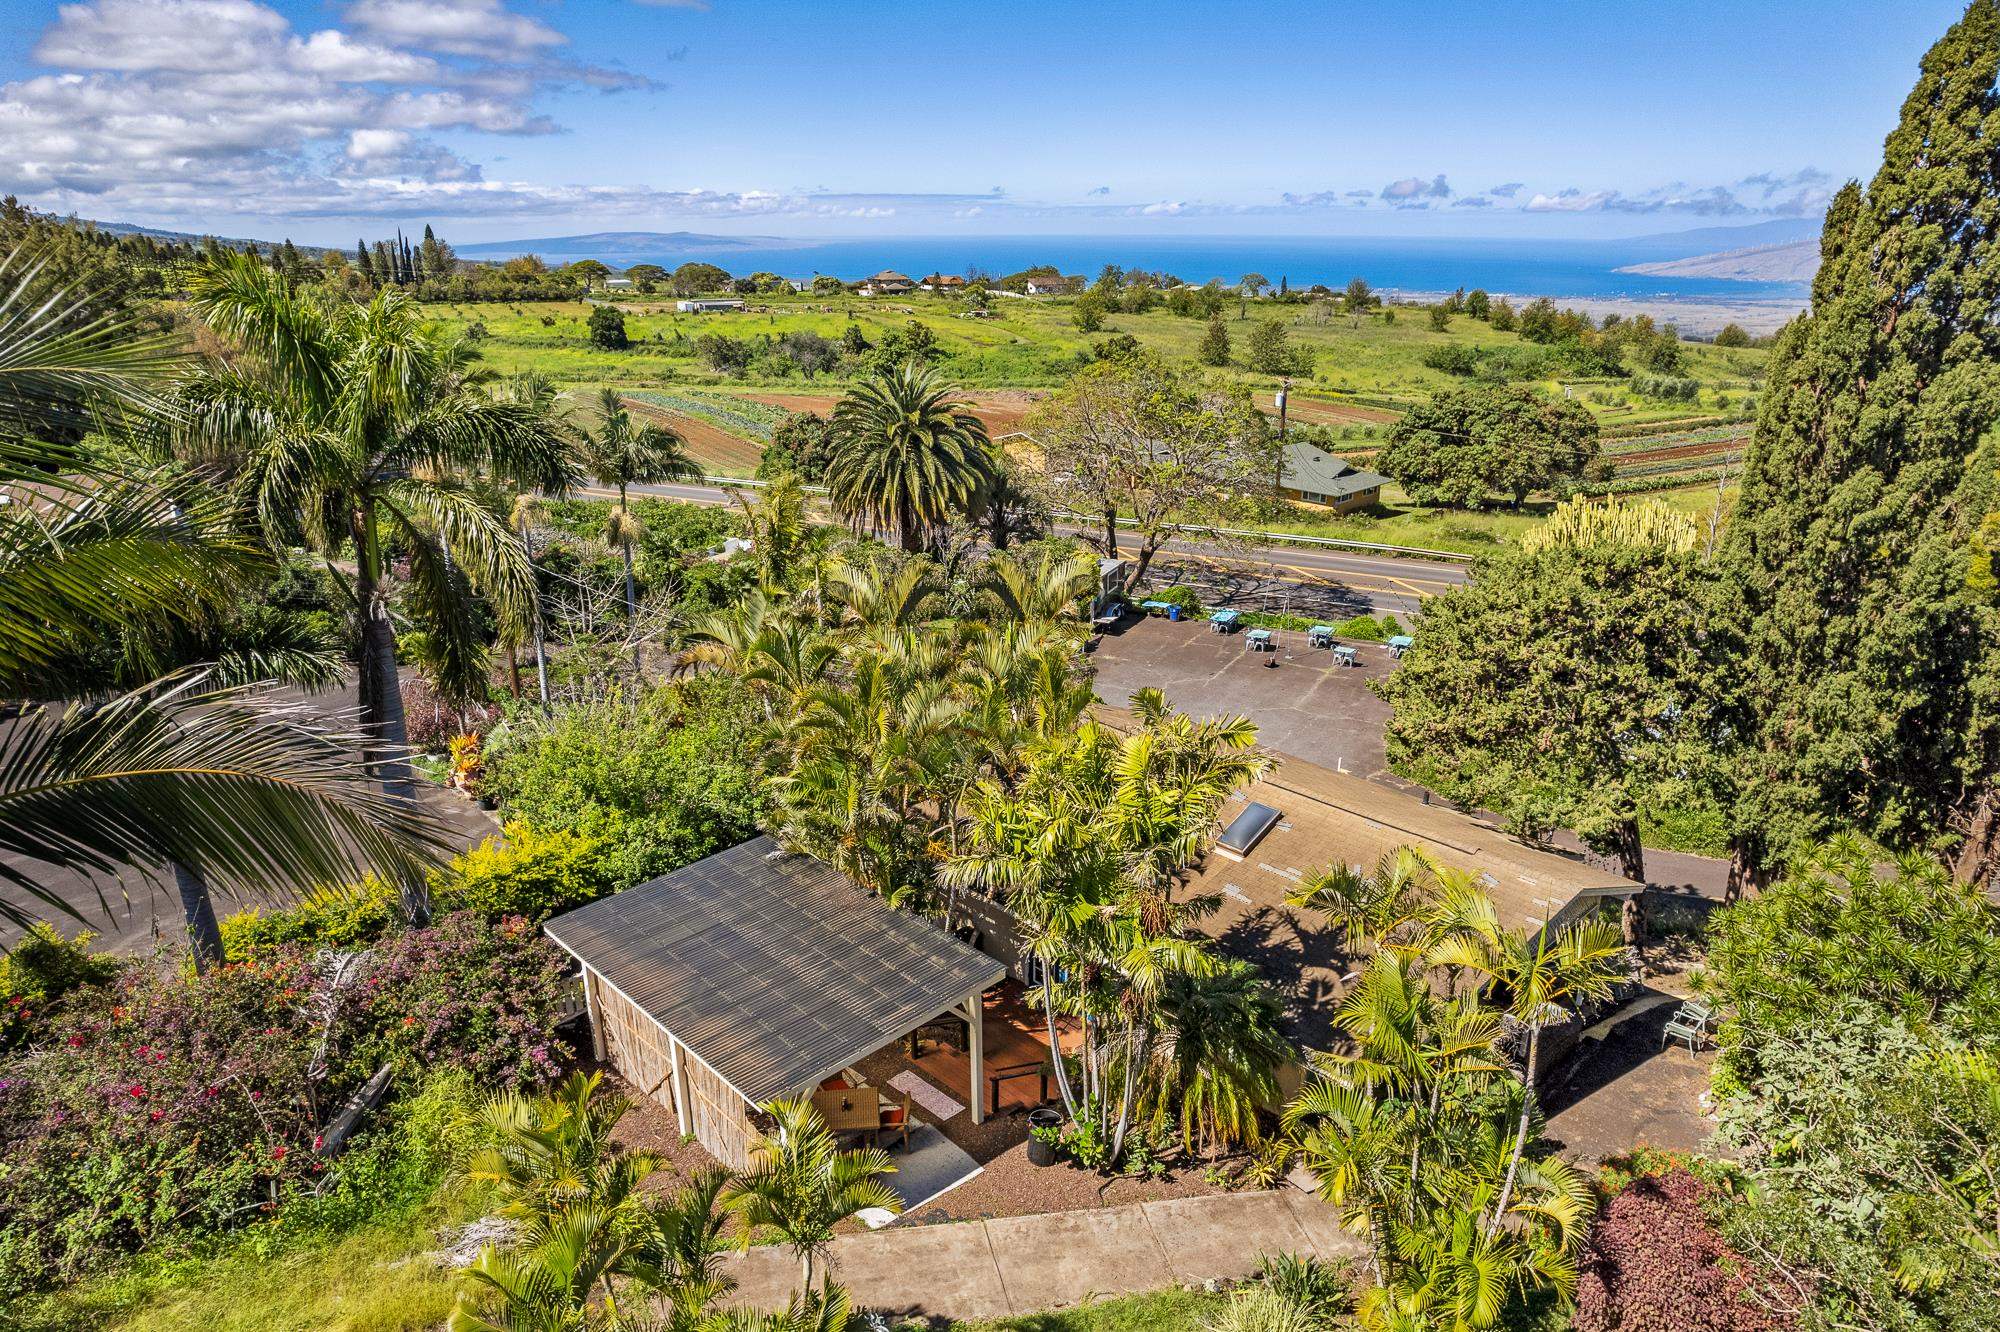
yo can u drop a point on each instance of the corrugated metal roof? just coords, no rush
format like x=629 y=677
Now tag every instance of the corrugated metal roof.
x=772 y=968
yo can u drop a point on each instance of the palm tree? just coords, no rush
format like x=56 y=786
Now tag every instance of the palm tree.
x=828 y=1309
x=1043 y=594
x=354 y=426
x=184 y=771
x=775 y=524
x=802 y=1185
x=675 y=1248
x=1543 y=978
x=1224 y=1043
x=553 y=1151
x=558 y=1279
x=906 y=454
x=622 y=453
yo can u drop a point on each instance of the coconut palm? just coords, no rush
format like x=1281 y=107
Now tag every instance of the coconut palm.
x=624 y=453
x=354 y=428
x=906 y=454
x=802 y=1185
x=185 y=771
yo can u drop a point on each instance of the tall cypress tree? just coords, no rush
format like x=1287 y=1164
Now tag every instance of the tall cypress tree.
x=1859 y=701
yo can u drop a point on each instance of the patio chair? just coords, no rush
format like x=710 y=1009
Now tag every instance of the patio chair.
x=895 y=1122
x=1688 y=1025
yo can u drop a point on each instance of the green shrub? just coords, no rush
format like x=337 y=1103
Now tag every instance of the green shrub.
x=38 y=973
x=658 y=783
x=349 y=917
x=1369 y=629
x=524 y=872
x=1183 y=596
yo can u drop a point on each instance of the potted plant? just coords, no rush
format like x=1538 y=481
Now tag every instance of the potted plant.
x=1045 y=1136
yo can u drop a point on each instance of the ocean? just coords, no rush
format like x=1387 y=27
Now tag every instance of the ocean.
x=1562 y=269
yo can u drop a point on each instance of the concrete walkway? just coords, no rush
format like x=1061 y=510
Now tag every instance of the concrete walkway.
x=1025 y=1264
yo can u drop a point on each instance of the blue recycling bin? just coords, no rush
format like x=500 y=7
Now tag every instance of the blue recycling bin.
x=1174 y=613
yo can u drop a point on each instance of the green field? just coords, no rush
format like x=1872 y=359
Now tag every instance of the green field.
x=1033 y=343
x=1365 y=368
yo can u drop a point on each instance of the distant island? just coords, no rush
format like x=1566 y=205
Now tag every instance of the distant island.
x=622 y=248
x=1795 y=261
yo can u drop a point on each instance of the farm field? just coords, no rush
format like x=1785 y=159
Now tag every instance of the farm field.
x=1035 y=344
x=1366 y=368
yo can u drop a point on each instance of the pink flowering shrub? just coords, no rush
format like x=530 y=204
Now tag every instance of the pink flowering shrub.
x=470 y=992
x=162 y=1105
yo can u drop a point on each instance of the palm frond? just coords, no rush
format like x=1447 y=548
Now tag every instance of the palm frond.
x=249 y=797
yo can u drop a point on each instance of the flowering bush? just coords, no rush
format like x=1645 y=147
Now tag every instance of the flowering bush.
x=163 y=1104
x=471 y=993
x=154 y=1104
x=37 y=973
x=1655 y=1261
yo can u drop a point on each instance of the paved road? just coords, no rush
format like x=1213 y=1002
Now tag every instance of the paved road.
x=1389 y=583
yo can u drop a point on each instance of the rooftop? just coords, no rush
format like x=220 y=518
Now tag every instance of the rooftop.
x=1327 y=818
x=1308 y=467
x=772 y=968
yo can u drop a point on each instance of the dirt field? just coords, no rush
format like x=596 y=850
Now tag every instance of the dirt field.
x=1685 y=450
x=1002 y=410
x=708 y=444
x=1319 y=411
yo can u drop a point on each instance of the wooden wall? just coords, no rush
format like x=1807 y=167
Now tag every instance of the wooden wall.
x=640 y=1049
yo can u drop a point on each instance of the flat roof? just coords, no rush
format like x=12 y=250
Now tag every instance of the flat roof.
x=1327 y=818
x=773 y=969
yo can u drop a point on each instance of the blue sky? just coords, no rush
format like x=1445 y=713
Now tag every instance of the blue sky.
x=497 y=118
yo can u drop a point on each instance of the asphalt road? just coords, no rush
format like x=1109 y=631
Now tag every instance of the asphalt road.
x=1391 y=584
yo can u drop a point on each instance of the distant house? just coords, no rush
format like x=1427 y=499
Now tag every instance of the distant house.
x=1311 y=476
x=944 y=282
x=619 y=284
x=708 y=305
x=1050 y=286
x=888 y=282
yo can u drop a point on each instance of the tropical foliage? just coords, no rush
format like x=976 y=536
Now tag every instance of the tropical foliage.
x=906 y=454
x=1420 y=1131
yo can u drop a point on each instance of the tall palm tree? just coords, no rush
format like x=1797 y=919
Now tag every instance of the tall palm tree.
x=180 y=772
x=802 y=1185
x=354 y=427
x=624 y=453
x=907 y=455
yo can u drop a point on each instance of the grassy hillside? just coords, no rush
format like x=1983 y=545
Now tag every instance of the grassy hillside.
x=1366 y=368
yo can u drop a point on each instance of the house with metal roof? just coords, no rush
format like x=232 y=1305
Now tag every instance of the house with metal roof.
x=1310 y=475
x=756 y=974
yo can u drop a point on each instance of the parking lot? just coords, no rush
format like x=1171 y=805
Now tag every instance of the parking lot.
x=1305 y=706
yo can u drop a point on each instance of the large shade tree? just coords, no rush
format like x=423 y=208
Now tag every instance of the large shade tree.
x=1156 y=446
x=1467 y=444
x=355 y=429
x=1576 y=682
x=907 y=454
x=183 y=772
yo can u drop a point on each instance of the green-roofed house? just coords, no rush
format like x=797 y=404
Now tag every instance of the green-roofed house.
x=1310 y=475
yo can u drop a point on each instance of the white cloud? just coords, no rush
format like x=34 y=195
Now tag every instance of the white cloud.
x=700 y=6
x=193 y=107
x=458 y=27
